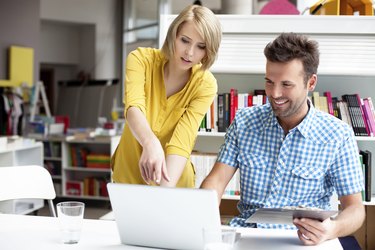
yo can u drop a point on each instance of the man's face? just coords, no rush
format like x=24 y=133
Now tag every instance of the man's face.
x=286 y=90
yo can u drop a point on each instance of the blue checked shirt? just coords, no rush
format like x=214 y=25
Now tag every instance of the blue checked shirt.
x=303 y=168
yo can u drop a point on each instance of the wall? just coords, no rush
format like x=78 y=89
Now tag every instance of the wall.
x=106 y=16
x=19 y=25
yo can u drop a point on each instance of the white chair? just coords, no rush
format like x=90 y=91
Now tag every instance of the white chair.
x=27 y=182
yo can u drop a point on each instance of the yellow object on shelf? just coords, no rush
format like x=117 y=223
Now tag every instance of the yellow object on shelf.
x=21 y=62
x=21 y=65
x=342 y=7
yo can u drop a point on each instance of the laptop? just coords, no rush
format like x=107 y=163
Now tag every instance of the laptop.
x=161 y=217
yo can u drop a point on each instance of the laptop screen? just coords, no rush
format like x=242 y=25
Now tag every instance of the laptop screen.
x=162 y=217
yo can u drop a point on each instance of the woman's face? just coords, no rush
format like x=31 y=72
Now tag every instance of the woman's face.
x=190 y=48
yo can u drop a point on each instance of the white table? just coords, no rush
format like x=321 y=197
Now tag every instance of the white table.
x=42 y=233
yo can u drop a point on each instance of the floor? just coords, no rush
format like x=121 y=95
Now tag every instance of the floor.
x=93 y=209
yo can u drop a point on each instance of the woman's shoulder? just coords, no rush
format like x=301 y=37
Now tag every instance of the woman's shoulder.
x=151 y=54
x=203 y=75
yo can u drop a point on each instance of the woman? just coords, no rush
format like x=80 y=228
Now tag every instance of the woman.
x=167 y=93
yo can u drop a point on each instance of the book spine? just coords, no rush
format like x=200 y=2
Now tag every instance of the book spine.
x=220 y=112
x=329 y=102
x=364 y=123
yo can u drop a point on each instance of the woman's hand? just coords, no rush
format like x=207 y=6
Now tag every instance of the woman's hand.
x=152 y=162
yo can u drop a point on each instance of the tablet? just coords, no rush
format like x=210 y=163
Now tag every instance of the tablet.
x=286 y=215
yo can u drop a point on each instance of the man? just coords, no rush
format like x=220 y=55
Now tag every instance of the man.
x=290 y=154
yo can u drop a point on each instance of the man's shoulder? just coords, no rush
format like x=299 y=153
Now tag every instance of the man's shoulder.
x=330 y=128
x=256 y=115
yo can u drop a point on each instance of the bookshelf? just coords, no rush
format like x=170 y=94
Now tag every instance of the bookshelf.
x=72 y=179
x=25 y=152
x=346 y=63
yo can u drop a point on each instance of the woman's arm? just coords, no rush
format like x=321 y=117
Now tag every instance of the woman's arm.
x=175 y=167
x=152 y=162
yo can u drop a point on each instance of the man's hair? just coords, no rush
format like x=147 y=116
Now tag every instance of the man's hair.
x=289 y=46
x=208 y=26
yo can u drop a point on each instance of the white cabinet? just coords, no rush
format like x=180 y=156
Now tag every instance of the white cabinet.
x=85 y=167
x=347 y=61
x=27 y=153
x=79 y=167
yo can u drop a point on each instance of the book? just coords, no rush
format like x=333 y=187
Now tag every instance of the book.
x=233 y=104
x=316 y=100
x=328 y=95
x=356 y=114
x=370 y=119
x=336 y=109
x=367 y=161
x=220 y=113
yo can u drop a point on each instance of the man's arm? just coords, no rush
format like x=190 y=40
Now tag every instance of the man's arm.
x=219 y=178
x=351 y=217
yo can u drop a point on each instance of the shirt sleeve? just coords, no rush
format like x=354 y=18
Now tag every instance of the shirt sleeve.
x=346 y=170
x=185 y=133
x=135 y=81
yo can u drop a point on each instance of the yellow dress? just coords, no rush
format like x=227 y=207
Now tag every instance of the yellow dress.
x=174 y=120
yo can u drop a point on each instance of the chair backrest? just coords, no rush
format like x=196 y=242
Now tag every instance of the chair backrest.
x=27 y=182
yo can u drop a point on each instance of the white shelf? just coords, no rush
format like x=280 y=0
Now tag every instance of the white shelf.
x=49 y=158
x=365 y=138
x=370 y=203
x=222 y=134
x=24 y=154
x=230 y=197
x=89 y=197
x=214 y=134
x=85 y=169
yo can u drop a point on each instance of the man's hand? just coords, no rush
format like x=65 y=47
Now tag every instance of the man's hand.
x=152 y=162
x=313 y=232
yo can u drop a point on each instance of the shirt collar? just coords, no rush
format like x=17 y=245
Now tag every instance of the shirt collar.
x=303 y=127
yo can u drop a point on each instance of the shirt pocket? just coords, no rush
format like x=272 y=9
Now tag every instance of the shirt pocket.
x=306 y=183
x=254 y=176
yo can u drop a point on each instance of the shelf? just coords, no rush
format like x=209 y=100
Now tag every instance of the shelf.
x=230 y=197
x=222 y=134
x=86 y=197
x=370 y=203
x=49 y=158
x=214 y=134
x=84 y=169
x=365 y=138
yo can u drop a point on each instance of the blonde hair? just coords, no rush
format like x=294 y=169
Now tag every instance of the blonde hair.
x=208 y=26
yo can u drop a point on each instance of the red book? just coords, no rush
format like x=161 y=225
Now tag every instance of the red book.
x=249 y=100
x=233 y=103
x=329 y=102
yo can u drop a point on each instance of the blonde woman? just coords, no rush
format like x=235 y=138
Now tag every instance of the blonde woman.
x=167 y=93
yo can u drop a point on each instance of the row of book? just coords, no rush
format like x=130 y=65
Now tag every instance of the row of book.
x=203 y=163
x=81 y=157
x=89 y=186
x=52 y=149
x=225 y=105
x=358 y=112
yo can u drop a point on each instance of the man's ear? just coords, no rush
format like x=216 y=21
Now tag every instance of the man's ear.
x=312 y=82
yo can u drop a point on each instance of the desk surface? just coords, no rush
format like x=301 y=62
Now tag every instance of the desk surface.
x=42 y=233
